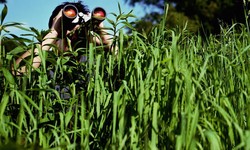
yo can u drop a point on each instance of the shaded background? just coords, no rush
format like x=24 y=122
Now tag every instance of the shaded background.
x=204 y=16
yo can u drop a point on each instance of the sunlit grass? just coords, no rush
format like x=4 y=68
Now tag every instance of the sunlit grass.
x=170 y=89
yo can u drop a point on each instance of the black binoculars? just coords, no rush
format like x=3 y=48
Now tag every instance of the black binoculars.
x=71 y=15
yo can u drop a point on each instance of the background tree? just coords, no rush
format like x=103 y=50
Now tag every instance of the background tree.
x=204 y=15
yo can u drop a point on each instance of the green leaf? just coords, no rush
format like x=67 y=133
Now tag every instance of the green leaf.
x=68 y=117
x=127 y=24
x=111 y=22
x=17 y=50
x=4 y=13
x=13 y=24
x=8 y=76
x=29 y=100
x=120 y=10
x=3 y=104
x=114 y=14
x=65 y=59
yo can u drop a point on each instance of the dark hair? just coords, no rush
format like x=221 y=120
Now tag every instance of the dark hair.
x=3 y=1
x=82 y=8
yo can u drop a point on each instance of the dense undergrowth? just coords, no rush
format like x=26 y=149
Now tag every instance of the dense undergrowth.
x=170 y=89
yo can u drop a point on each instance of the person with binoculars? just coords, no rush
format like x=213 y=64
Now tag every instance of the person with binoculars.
x=65 y=22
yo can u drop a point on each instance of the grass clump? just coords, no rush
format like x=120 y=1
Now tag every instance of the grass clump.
x=170 y=89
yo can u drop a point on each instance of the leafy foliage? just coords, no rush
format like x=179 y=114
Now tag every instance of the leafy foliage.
x=168 y=89
x=201 y=15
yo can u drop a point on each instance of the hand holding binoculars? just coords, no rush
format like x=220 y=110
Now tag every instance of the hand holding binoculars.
x=71 y=15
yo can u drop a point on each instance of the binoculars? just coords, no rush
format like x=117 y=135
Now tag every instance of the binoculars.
x=71 y=15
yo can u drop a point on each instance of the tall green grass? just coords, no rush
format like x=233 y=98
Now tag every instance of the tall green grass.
x=170 y=89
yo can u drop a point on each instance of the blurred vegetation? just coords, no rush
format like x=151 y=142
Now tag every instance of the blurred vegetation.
x=204 y=16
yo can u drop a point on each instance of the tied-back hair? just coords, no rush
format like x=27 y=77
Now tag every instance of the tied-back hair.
x=81 y=8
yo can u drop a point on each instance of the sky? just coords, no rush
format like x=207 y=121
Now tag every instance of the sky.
x=36 y=13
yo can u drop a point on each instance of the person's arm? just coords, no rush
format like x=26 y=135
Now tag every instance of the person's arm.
x=105 y=39
x=50 y=38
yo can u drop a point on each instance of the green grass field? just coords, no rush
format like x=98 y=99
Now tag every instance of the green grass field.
x=170 y=89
